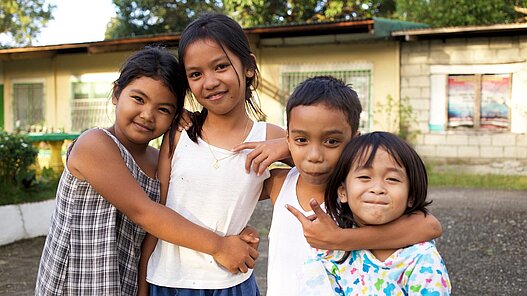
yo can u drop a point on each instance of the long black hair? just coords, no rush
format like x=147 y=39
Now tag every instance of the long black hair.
x=228 y=34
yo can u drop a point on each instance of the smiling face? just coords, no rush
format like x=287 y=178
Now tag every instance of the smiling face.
x=144 y=110
x=216 y=76
x=377 y=194
x=316 y=136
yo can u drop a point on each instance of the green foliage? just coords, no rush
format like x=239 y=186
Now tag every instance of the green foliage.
x=21 y=20
x=398 y=117
x=17 y=154
x=42 y=189
x=444 y=13
x=143 y=17
x=456 y=179
x=146 y=17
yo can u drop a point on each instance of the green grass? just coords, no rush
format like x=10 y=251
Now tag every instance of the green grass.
x=463 y=180
x=10 y=194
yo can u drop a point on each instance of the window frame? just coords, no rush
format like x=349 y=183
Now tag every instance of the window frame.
x=336 y=70
x=438 y=114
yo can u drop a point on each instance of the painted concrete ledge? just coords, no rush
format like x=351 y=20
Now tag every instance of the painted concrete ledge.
x=25 y=220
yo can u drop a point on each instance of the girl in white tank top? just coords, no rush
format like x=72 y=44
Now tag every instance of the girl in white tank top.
x=200 y=177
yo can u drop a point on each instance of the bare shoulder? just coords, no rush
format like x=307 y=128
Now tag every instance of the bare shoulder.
x=88 y=148
x=274 y=131
x=275 y=182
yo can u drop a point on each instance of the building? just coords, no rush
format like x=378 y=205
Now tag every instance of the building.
x=468 y=88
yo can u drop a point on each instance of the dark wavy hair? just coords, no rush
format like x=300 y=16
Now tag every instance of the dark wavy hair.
x=156 y=62
x=228 y=34
x=361 y=151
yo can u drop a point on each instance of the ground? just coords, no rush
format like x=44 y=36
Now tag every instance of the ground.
x=483 y=244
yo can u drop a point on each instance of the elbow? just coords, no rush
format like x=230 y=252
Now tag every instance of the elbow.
x=437 y=229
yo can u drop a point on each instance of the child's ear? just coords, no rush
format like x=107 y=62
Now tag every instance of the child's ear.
x=341 y=191
x=249 y=73
x=410 y=202
x=115 y=90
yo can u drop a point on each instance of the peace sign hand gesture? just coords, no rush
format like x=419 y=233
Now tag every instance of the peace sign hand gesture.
x=320 y=230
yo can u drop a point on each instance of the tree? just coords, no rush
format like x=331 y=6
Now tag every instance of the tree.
x=444 y=13
x=144 y=17
x=140 y=17
x=22 y=20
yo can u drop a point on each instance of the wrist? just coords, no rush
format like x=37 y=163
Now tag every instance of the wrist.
x=217 y=245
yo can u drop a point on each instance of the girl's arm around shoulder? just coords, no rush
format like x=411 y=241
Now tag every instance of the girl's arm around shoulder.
x=393 y=235
x=273 y=184
x=264 y=153
x=96 y=159
x=323 y=232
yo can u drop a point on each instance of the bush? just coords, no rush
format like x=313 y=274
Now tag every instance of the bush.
x=17 y=154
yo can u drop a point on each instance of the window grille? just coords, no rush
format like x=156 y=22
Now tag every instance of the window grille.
x=28 y=105
x=91 y=105
x=359 y=80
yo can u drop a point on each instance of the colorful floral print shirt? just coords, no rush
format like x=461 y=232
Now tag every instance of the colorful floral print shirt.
x=414 y=270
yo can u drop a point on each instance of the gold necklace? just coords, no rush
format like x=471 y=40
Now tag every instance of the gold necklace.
x=216 y=161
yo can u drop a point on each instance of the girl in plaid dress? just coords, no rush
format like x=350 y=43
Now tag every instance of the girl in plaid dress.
x=108 y=193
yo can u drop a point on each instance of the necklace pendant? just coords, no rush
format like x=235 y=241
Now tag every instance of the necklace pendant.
x=215 y=164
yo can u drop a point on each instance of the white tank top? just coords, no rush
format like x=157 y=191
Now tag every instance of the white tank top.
x=288 y=248
x=220 y=199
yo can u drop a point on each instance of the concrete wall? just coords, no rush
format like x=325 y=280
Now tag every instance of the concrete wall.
x=25 y=220
x=426 y=60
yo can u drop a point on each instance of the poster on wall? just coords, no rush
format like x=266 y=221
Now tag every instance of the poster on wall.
x=461 y=100
x=495 y=98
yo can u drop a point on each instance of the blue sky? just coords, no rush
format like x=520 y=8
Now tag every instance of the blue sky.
x=77 y=21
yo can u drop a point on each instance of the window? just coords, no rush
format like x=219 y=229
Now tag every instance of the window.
x=28 y=105
x=91 y=105
x=360 y=81
x=478 y=98
x=479 y=101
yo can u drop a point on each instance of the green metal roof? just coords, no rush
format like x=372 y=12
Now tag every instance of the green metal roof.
x=384 y=27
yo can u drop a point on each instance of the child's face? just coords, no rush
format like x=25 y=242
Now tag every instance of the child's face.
x=378 y=194
x=212 y=77
x=316 y=136
x=144 y=110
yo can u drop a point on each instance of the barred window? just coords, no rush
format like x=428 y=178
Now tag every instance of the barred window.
x=91 y=105
x=28 y=105
x=359 y=80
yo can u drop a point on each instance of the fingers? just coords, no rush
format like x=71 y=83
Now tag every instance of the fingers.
x=249 y=238
x=312 y=217
x=253 y=253
x=245 y=145
x=260 y=164
x=303 y=220
x=315 y=206
x=184 y=121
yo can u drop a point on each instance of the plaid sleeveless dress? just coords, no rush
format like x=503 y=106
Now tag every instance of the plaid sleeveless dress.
x=92 y=248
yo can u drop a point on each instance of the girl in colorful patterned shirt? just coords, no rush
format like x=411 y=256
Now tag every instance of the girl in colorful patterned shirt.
x=378 y=178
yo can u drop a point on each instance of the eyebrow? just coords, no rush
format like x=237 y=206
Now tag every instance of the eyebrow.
x=140 y=92
x=330 y=132
x=215 y=61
